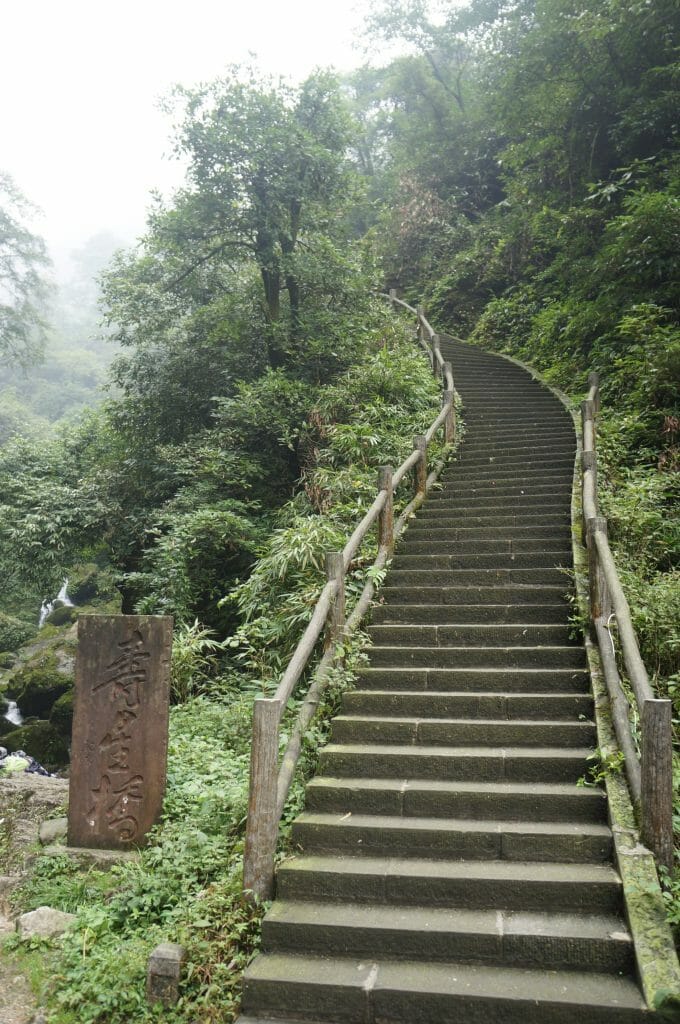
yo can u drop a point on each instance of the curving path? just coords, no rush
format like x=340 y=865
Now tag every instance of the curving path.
x=451 y=868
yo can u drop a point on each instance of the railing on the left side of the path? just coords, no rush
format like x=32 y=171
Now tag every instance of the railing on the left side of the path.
x=650 y=777
x=270 y=776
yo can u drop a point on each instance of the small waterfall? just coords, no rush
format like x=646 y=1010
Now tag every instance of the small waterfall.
x=47 y=607
x=12 y=713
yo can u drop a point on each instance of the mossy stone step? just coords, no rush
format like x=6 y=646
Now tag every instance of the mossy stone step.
x=460 y=732
x=338 y=989
x=468 y=614
x=462 y=763
x=510 y=801
x=509 y=938
x=480 y=705
x=466 y=680
x=509 y=885
x=470 y=634
x=481 y=657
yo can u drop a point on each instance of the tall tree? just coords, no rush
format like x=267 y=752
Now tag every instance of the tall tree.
x=23 y=288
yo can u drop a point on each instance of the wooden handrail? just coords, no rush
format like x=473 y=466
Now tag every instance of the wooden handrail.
x=269 y=782
x=651 y=777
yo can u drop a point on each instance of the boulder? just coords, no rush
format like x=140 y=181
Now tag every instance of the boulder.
x=53 y=831
x=42 y=741
x=44 y=923
x=61 y=715
x=14 y=632
x=39 y=683
x=61 y=615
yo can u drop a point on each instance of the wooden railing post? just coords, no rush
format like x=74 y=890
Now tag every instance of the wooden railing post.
x=420 y=471
x=262 y=824
x=450 y=421
x=393 y=294
x=436 y=343
x=386 y=517
x=594 y=382
x=335 y=570
x=600 y=607
x=589 y=464
x=588 y=418
x=657 y=780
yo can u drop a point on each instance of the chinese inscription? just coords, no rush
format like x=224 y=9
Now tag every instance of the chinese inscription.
x=120 y=727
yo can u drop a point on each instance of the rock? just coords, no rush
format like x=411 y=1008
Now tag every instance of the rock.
x=100 y=859
x=163 y=973
x=89 y=584
x=44 y=923
x=39 y=683
x=61 y=715
x=53 y=831
x=42 y=741
x=61 y=616
x=6 y=926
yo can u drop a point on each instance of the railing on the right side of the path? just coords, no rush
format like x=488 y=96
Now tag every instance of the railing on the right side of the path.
x=650 y=777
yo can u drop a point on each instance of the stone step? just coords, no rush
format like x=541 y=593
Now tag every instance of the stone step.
x=526 y=520
x=475 y=578
x=466 y=764
x=552 y=501
x=509 y=801
x=506 y=938
x=473 y=884
x=489 y=538
x=542 y=559
x=521 y=448
x=411 y=545
x=368 y=835
x=500 y=471
x=352 y=990
x=444 y=704
x=509 y=593
x=469 y=635
x=520 y=486
x=476 y=614
x=478 y=657
x=475 y=680
x=462 y=732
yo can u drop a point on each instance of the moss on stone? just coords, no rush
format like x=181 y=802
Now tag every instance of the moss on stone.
x=14 y=632
x=42 y=741
x=38 y=685
x=61 y=715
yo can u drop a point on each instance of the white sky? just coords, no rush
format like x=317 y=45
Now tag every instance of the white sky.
x=79 y=81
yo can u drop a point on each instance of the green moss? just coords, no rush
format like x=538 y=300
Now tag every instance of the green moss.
x=61 y=715
x=89 y=584
x=62 y=615
x=38 y=685
x=14 y=632
x=42 y=741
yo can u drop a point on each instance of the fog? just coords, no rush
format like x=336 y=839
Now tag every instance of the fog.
x=80 y=129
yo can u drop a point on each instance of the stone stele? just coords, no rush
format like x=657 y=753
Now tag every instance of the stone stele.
x=120 y=729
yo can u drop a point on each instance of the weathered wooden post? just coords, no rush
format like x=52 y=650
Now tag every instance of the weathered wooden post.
x=386 y=517
x=588 y=418
x=393 y=294
x=594 y=382
x=120 y=729
x=436 y=349
x=588 y=465
x=262 y=823
x=657 y=780
x=600 y=607
x=335 y=570
x=420 y=470
x=448 y=396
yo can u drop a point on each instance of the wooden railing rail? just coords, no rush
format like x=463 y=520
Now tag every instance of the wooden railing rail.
x=650 y=777
x=270 y=781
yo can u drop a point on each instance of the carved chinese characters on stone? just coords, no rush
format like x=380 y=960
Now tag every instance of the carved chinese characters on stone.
x=120 y=729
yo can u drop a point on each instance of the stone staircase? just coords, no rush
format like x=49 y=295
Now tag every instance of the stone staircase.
x=451 y=870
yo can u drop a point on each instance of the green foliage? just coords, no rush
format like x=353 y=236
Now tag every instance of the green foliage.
x=193 y=656
x=14 y=632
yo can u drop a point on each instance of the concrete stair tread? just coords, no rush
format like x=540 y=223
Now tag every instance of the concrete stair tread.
x=387 y=821
x=431 y=919
x=545 y=789
x=422 y=750
x=411 y=991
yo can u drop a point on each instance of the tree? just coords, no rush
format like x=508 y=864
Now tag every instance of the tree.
x=23 y=289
